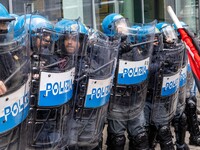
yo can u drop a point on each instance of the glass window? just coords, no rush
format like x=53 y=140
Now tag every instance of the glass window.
x=92 y=12
x=187 y=11
x=5 y=3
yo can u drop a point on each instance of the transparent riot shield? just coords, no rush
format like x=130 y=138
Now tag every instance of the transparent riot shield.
x=163 y=88
x=190 y=82
x=14 y=84
x=182 y=86
x=93 y=82
x=53 y=69
x=131 y=78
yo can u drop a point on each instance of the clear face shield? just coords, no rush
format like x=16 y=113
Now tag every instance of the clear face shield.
x=102 y=55
x=43 y=48
x=121 y=26
x=169 y=34
x=93 y=81
x=71 y=43
x=44 y=40
x=15 y=61
x=4 y=27
x=67 y=47
x=6 y=31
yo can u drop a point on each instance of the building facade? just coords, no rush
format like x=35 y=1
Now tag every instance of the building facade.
x=92 y=12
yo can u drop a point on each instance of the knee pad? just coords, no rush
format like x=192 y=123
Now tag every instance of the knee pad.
x=183 y=120
x=114 y=141
x=165 y=138
x=139 y=142
x=163 y=130
x=164 y=134
x=191 y=102
x=180 y=121
x=140 y=138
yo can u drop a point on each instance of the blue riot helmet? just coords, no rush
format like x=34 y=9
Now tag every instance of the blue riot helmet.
x=67 y=25
x=6 y=25
x=157 y=31
x=145 y=32
x=36 y=23
x=70 y=34
x=135 y=28
x=20 y=30
x=40 y=29
x=4 y=15
x=169 y=35
x=83 y=34
x=184 y=25
x=14 y=16
x=82 y=28
x=113 y=24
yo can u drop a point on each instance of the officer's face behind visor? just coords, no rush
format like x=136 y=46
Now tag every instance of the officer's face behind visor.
x=3 y=27
x=71 y=44
x=169 y=34
x=44 y=41
x=121 y=26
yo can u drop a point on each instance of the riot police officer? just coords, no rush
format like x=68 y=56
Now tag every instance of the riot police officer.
x=5 y=20
x=14 y=68
x=163 y=86
x=180 y=119
x=50 y=87
x=129 y=89
x=93 y=77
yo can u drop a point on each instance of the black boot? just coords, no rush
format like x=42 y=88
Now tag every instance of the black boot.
x=165 y=138
x=180 y=126
x=193 y=125
x=139 y=142
x=182 y=147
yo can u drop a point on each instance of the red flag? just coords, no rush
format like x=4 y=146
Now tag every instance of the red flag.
x=193 y=49
x=192 y=52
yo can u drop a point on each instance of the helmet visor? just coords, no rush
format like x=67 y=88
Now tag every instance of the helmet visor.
x=121 y=26
x=169 y=34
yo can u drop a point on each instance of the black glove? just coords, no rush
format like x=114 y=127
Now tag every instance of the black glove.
x=125 y=47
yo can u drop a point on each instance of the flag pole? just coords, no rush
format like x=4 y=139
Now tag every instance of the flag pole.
x=174 y=17
x=192 y=51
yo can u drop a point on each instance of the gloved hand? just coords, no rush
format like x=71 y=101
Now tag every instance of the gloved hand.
x=125 y=47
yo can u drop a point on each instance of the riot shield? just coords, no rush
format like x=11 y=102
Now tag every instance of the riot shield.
x=53 y=69
x=182 y=86
x=14 y=86
x=163 y=88
x=190 y=82
x=131 y=78
x=93 y=82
